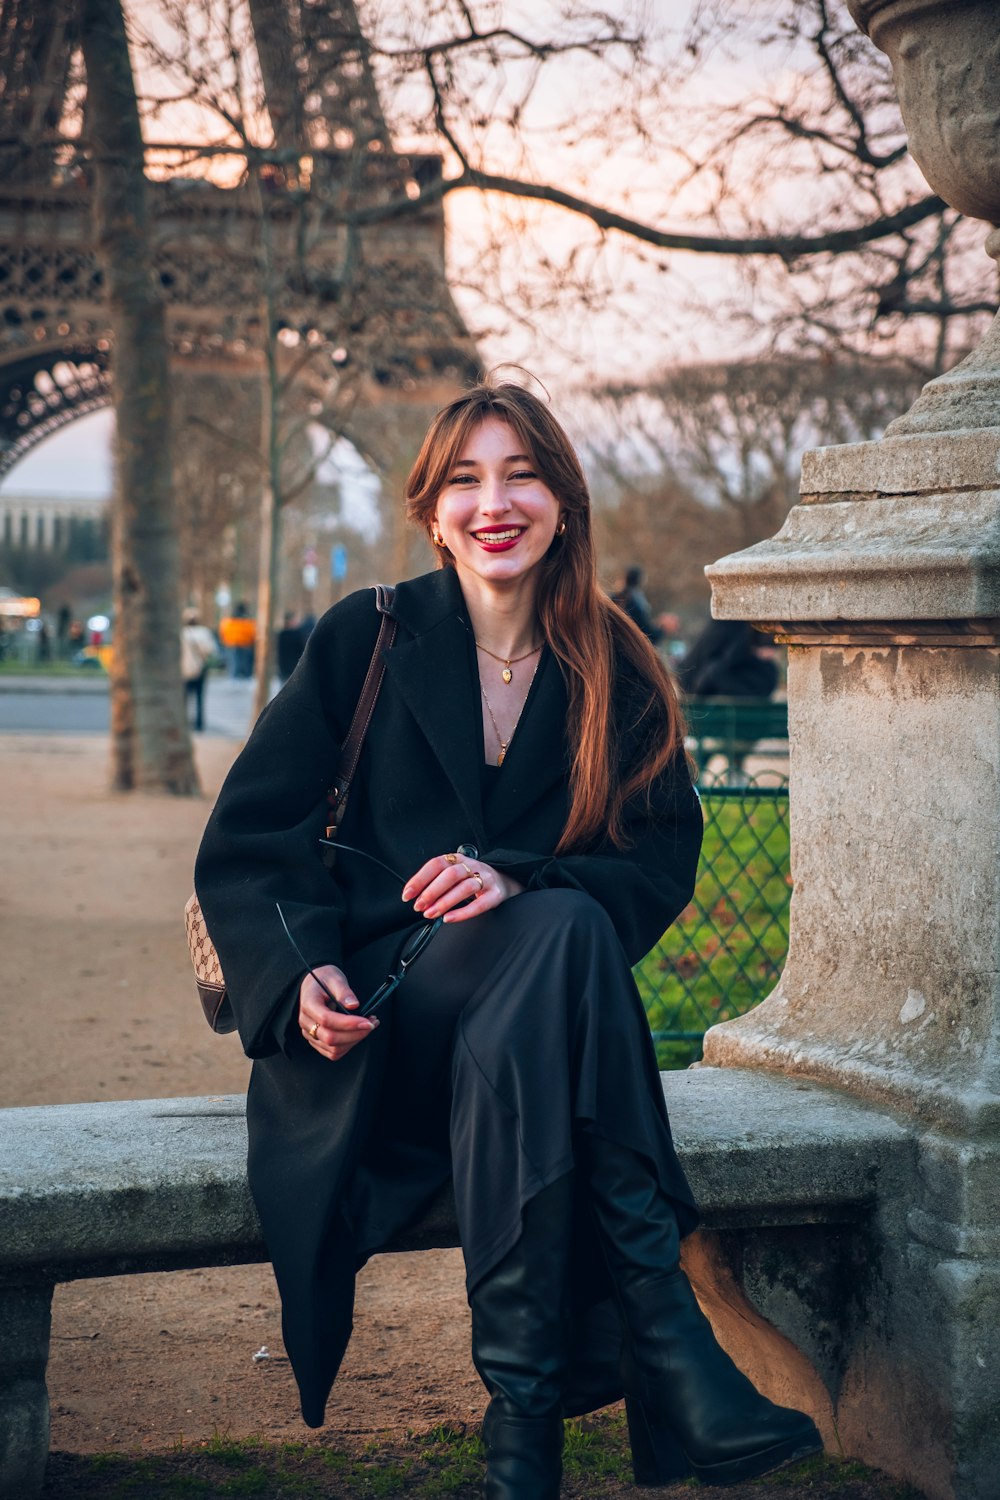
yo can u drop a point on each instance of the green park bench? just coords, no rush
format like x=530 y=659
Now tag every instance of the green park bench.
x=735 y=728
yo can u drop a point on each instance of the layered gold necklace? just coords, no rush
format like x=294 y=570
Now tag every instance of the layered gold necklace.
x=508 y=661
x=505 y=743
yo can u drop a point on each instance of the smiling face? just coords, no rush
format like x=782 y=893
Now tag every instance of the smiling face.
x=494 y=513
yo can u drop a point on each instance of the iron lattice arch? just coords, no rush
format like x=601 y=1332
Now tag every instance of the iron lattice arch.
x=380 y=303
x=46 y=390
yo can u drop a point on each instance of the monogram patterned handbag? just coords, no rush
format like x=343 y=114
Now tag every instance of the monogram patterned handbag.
x=208 y=974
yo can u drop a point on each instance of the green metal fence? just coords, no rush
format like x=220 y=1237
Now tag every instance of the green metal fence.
x=727 y=948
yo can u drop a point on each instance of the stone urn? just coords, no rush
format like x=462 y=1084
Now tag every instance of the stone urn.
x=945 y=57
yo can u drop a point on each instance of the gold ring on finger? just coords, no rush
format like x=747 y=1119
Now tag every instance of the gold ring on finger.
x=451 y=859
x=476 y=876
x=314 y=1030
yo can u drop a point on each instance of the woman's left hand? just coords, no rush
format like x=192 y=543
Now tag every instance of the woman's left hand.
x=457 y=888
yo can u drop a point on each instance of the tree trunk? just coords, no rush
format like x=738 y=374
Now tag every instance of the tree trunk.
x=272 y=498
x=151 y=744
x=267 y=562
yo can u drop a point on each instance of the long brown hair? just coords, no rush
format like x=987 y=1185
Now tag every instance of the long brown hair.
x=590 y=636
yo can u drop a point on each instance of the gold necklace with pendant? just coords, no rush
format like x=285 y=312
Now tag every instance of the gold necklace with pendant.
x=505 y=743
x=508 y=661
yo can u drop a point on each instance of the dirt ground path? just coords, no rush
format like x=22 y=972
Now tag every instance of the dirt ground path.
x=98 y=1003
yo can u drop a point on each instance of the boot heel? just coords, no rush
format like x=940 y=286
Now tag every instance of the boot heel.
x=657 y=1457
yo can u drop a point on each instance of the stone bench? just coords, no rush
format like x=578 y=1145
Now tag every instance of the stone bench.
x=160 y=1184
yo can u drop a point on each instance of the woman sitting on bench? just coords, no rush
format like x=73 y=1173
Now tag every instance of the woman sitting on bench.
x=521 y=830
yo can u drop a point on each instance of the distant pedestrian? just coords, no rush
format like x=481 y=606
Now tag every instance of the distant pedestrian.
x=633 y=601
x=729 y=660
x=291 y=642
x=238 y=632
x=63 y=620
x=198 y=647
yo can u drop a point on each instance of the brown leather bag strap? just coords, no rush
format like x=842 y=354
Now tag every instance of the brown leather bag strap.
x=351 y=749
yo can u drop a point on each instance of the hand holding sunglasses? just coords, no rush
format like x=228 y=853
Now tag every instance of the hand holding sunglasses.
x=329 y=1015
x=334 y=1038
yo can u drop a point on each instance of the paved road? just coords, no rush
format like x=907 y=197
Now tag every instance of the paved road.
x=80 y=706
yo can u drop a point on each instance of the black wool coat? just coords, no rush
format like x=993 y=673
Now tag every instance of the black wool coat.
x=417 y=793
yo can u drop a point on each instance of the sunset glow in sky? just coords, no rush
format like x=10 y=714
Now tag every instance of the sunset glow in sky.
x=540 y=286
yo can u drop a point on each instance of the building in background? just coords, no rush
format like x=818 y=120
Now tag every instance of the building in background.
x=62 y=522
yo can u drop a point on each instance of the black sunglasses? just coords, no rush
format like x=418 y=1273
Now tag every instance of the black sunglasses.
x=412 y=948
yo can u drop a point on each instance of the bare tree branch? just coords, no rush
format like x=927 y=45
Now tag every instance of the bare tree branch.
x=786 y=247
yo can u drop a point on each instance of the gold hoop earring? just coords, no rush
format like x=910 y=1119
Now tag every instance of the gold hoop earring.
x=561 y=528
x=437 y=539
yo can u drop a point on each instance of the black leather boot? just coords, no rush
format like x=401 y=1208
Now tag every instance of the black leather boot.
x=690 y=1410
x=520 y=1342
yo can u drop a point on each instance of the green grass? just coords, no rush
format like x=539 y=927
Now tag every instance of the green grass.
x=10 y=668
x=846 y=1477
x=726 y=950
x=597 y=1450
x=446 y=1464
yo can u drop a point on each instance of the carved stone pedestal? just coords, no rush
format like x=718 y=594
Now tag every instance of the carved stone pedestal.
x=885 y=583
x=890 y=604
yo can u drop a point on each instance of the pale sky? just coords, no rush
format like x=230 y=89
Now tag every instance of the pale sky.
x=76 y=460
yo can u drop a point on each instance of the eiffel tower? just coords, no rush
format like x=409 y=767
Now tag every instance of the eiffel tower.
x=398 y=334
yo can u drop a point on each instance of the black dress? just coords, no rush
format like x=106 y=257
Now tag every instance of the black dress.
x=511 y=1034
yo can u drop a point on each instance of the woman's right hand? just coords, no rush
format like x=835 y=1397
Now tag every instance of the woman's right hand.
x=328 y=1031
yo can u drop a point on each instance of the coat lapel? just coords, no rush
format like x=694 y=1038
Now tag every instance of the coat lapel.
x=434 y=675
